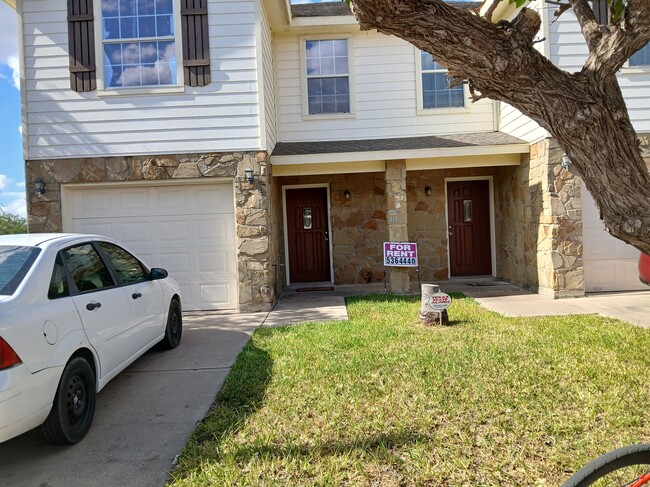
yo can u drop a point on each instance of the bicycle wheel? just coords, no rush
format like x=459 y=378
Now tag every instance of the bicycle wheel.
x=628 y=466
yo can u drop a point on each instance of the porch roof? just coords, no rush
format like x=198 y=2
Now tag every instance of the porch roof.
x=474 y=144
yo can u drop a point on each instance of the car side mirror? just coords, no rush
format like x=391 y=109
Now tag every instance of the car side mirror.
x=157 y=273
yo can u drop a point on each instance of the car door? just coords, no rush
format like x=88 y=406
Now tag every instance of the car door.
x=145 y=296
x=102 y=305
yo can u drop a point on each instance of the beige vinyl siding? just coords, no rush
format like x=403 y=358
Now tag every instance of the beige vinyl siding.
x=384 y=85
x=569 y=51
x=269 y=84
x=221 y=116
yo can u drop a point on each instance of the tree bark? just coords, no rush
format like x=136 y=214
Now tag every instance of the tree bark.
x=585 y=112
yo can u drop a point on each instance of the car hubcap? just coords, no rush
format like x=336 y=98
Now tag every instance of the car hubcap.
x=76 y=403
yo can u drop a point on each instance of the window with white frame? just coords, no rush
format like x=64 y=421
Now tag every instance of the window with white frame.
x=435 y=93
x=139 y=43
x=328 y=76
x=641 y=57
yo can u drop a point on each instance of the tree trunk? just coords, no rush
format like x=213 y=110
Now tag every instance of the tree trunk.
x=585 y=112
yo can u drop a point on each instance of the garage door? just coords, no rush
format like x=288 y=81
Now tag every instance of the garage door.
x=189 y=230
x=609 y=263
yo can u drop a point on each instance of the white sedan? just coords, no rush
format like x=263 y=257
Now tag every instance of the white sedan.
x=75 y=310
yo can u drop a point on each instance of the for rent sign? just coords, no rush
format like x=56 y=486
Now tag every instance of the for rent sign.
x=400 y=254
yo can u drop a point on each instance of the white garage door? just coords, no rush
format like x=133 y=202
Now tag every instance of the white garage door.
x=187 y=229
x=609 y=263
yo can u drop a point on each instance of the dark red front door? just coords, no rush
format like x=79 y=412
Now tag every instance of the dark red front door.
x=469 y=228
x=308 y=240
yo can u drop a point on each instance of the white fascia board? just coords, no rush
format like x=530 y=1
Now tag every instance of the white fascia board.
x=401 y=154
x=332 y=20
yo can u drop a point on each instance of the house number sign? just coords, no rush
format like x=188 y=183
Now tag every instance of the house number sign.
x=400 y=254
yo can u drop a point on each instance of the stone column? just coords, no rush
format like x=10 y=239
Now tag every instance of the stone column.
x=253 y=243
x=397 y=277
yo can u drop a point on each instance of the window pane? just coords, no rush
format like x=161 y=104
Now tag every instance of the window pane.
x=127 y=268
x=146 y=7
x=109 y=8
x=329 y=104
x=435 y=93
x=326 y=49
x=86 y=268
x=314 y=87
x=341 y=48
x=342 y=104
x=326 y=66
x=59 y=282
x=457 y=97
x=128 y=28
x=15 y=262
x=641 y=57
x=341 y=65
x=164 y=25
x=147 y=26
x=127 y=7
x=342 y=86
x=111 y=28
x=163 y=6
x=314 y=105
x=148 y=52
x=427 y=61
x=328 y=86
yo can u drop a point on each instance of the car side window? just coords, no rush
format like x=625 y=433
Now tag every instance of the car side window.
x=127 y=268
x=86 y=268
x=59 y=282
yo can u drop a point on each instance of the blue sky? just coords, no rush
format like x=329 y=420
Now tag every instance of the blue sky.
x=12 y=175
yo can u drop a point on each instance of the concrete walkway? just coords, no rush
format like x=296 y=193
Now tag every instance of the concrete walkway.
x=145 y=415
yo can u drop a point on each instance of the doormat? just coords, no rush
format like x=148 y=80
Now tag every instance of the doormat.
x=314 y=289
x=488 y=283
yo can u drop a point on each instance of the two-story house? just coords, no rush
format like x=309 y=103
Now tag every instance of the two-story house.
x=249 y=144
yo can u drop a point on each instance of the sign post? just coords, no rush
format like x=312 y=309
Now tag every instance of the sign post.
x=434 y=304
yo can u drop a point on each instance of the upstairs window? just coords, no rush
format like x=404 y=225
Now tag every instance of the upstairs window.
x=641 y=57
x=328 y=76
x=435 y=93
x=139 y=44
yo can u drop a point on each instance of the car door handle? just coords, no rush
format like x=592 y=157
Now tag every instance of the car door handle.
x=92 y=306
x=136 y=295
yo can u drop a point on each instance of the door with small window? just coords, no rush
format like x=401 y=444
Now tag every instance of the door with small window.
x=307 y=235
x=470 y=252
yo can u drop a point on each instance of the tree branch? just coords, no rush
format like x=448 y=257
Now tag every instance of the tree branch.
x=588 y=23
x=623 y=39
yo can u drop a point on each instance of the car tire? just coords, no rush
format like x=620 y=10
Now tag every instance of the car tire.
x=73 y=408
x=174 y=328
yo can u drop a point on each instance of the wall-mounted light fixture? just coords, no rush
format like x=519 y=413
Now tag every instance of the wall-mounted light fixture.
x=565 y=162
x=346 y=194
x=39 y=186
x=248 y=172
x=427 y=190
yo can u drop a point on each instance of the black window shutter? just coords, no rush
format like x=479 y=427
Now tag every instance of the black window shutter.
x=81 y=43
x=601 y=11
x=196 y=47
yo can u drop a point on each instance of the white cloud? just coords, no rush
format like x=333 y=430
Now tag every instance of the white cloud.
x=9 y=41
x=14 y=203
x=20 y=129
x=5 y=181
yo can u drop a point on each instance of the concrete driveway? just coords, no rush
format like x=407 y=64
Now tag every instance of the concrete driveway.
x=143 y=416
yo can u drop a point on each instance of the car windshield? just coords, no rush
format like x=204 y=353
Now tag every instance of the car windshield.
x=15 y=262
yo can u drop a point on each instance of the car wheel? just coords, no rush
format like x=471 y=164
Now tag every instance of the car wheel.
x=174 y=328
x=74 y=404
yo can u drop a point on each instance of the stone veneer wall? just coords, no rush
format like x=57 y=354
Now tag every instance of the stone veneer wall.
x=358 y=223
x=255 y=251
x=539 y=224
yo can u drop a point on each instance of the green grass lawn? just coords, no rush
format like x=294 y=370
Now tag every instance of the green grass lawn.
x=382 y=400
